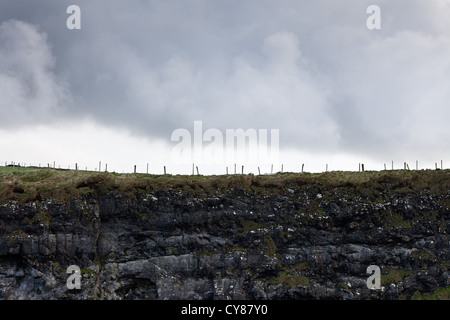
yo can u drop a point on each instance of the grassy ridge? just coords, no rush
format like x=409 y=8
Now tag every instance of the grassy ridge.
x=31 y=184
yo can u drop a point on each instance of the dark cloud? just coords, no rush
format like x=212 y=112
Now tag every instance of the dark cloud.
x=311 y=69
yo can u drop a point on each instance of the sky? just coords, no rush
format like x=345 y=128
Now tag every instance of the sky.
x=114 y=91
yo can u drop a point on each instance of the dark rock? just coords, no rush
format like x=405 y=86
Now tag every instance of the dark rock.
x=167 y=245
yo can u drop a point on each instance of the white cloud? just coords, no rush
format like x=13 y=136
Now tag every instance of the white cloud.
x=311 y=69
x=398 y=93
x=29 y=90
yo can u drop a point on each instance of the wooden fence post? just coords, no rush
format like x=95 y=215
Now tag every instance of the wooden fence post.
x=197 y=170
x=242 y=169
x=259 y=171
x=134 y=168
x=362 y=167
x=303 y=166
x=164 y=170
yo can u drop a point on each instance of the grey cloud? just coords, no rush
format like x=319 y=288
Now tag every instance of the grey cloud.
x=308 y=68
x=29 y=90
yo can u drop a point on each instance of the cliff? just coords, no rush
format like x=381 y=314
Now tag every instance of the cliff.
x=286 y=236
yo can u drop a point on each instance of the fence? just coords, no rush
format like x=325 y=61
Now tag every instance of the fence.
x=195 y=169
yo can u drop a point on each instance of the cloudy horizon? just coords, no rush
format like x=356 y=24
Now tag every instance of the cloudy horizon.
x=114 y=91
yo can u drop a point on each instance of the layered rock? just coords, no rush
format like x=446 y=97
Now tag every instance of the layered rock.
x=304 y=242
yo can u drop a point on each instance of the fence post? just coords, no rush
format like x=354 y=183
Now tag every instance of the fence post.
x=281 y=168
x=271 y=169
x=303 y=166
x=242 y=169
x=197 y=170
x=134 y=168
x=106 y=167
x=385 y=167
x=362 y=167
x=259 y=171
x=164 y=170
x=147 y=167
x=76 y=166
x=417 y=164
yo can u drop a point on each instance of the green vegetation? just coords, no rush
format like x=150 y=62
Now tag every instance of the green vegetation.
x=30 y=184
x=42 y=217
x=15 y=233
x=289 y=278
x=88 y=271
x=248 y=225
x=394 y=276
x=438 y=294
x=57 y=267
x=423 y=254
x=269 y=248
x=393 y=220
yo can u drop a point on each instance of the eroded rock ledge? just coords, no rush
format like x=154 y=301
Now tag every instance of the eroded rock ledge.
x=302 y=242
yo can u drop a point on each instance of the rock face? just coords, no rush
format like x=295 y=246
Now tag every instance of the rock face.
x=302 y=243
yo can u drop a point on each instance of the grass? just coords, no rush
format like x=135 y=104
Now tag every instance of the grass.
x=393 y=220
x=394 y=276
x=249 y=225
x=289 y=280
x=438 y=294
x=31 y=184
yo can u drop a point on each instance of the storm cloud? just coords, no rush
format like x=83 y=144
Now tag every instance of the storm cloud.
x=311 y=69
